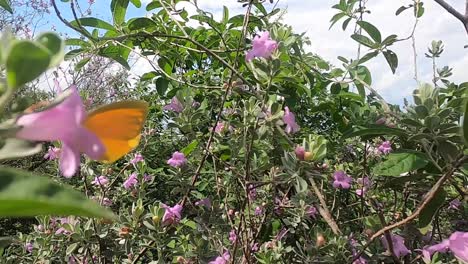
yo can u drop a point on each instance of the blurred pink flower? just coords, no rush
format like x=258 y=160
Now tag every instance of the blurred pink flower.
x=172 y=215
x=178 y=160
x=300 y=152
x=29 y=247
x=385 y=147
x=52 y=153
x=457 y=243
x=342 y=180
x=219 y=127
x=66 y=220
x=174 y=106
x=399 y=248
x=233 y=236
x=311 y=211
x=100 y=181
x=131 y=181
x=258 y=210
x=204 y=202
x=364 y=185
x=63 y=122
x=455 y=204
x=137 y=158
x=290 y=120
x=224 y=259
x=262 y=46
x=147 y=177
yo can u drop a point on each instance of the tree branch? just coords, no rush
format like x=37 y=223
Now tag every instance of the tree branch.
x=428 y=198
x=455 y=13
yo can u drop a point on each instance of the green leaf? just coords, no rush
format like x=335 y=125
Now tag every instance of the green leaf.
x=465 y=124
x=368 y=56
x=55 y=45
x=392 y=60
x=364 y=40
x=226 y=15
x=373 y=32
x=119 y=9
x=141 y=23
x=82 y=63
x=71 y=248
x=398 y=163
x=5 y=4
x=117 y=53
x=375 y=131
x=18 y=148
x=401 y=9
x=93 y=22
x=190 y=148
x=25 y=62
x=136 y=3
x=426 y=215
x=76 y=42
x=336 y=18
x=161 y=85
x=153 y=5
x=23 y=194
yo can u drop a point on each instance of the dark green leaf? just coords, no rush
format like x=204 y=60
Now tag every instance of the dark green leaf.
x=153 y=5
x=426 y=215
x=398 y=163
x=392 y=59
x=81 y=63
x=23 y=194
x=26 y=61
x=401 y=9
x=161 y=85
x=368 y=56
x=93 y=22
x=336 y=18
x=364 y=40
x=76 y=42
x=373 y=32
x=5 y=4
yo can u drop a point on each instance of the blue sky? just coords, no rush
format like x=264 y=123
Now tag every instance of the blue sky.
x=313 y=17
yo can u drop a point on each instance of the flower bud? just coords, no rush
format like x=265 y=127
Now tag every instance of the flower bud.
x=308 y=155
x=320 y=240
x=156 y=219
x=300 y=151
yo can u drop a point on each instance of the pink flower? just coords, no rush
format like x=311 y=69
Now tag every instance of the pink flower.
x=233 y=236
x=311 y=212
x=147 y=177
x=100 y=181
x=52 y=153
x=66 y=220
x=107 y=202
x=224 y=259
x=63 y=122
x=137 y=158
x=178 y=160
x=262 y=46
x=252 y=192
x=300 y=152
x=385 y=147
x=172 y=215
x=204 y=202
x=341 y=180
x=131 y=181
x=399 y=248
x=457 y=243
x=381 y=121
x=290 y=120
x=174 y=106
x=29 y=247
x=219 y=127
x=258 y=210
x=455 y=204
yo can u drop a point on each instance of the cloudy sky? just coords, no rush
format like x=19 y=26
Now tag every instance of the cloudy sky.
x=313 y=16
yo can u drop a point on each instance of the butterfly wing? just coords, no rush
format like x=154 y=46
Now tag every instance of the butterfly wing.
x=118 y=126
